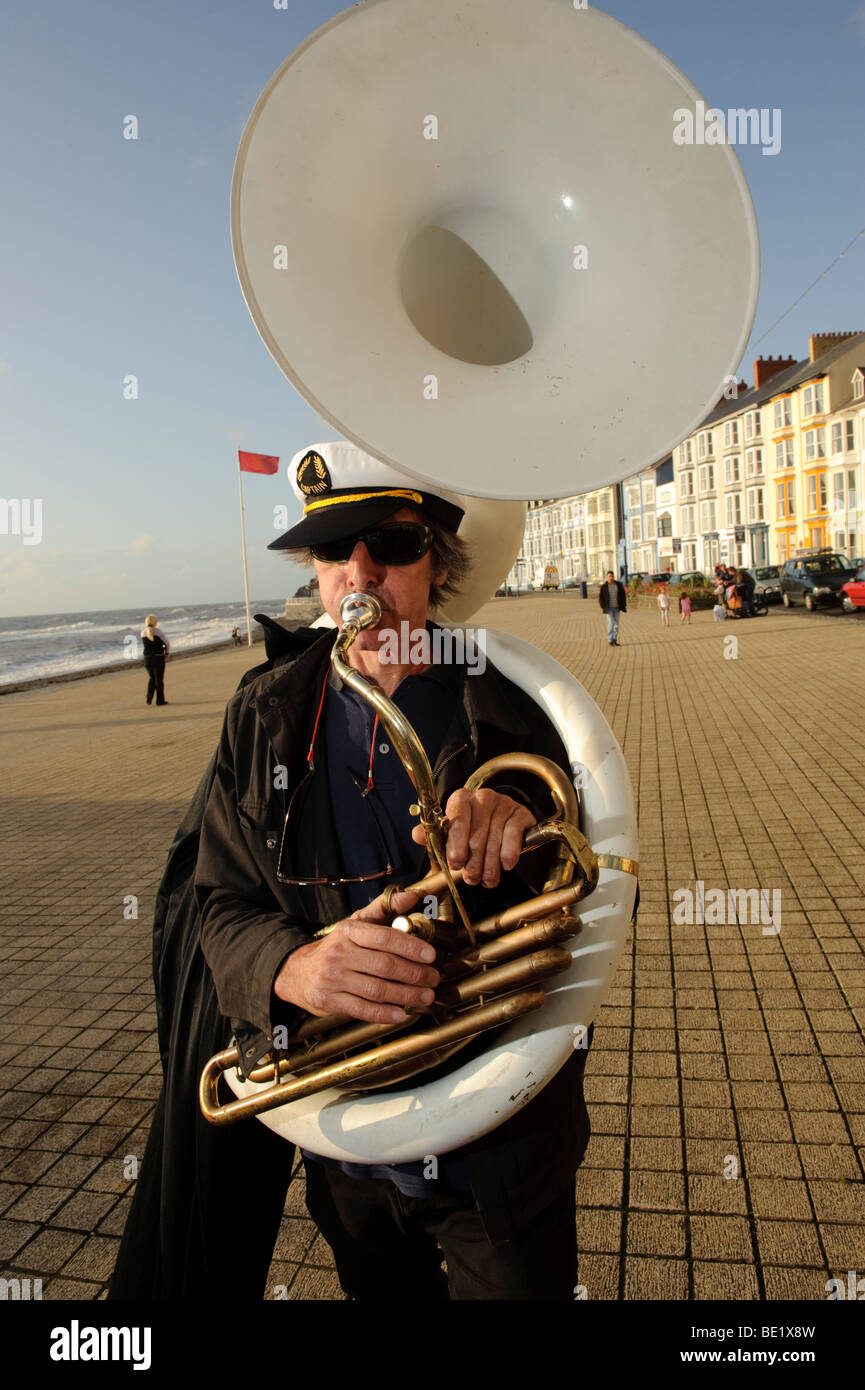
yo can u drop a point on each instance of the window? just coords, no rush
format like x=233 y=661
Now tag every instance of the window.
x=812 y=400
x=636 y=530
x=592 y=506
x=604 y=503
x=734 y=509
x=688 y=451
x=784 y=453
x=753 y=463
x=858 y=385
x=634 y=498
x=731 y=434
x=851 y=435
x=851 y=490
x=836 y=436
x=650 y=526
x=688 y=518
x=689 y=556
x=785 y=498
x=783 y=413
x=707 y=516
x=815 y=444
x=649 y=494
x=686 y=485
x=821 y=486
x=731 y=469
x=838 y=492
x=707 y=477
x=665 y=524
x=704 y=444
x=811 y=483
x=755 y=504
x=752 y=424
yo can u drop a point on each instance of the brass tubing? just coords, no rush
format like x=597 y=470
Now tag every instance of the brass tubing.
x=558 y=782
x=511 y=975
x=340 y=1040
x=410 y=751
x=467 y=1024
x=545 y=904
x=544 y=933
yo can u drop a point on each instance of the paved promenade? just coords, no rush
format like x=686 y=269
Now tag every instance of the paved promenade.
x=725 y=1084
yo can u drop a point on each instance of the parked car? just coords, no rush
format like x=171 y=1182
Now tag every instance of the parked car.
x=663 y=578
x=767 y=581
x=814 y=578
x=689 y=577
x=853 y=592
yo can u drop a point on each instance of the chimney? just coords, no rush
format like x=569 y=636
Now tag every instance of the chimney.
x=822 y=342
x=767 y=367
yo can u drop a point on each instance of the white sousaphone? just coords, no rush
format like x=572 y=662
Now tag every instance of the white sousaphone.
x=469 y=239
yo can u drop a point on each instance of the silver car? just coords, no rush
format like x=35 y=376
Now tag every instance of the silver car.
x=767 y=580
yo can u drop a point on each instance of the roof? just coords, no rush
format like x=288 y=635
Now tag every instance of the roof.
x=788 y=380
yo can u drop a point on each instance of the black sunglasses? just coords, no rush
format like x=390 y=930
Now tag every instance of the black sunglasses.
x=400 y=543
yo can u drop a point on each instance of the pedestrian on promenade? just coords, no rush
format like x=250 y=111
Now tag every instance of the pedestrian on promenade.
x=664 y=607
x=235 y=635
x=685 y=607
x=613 y=602
x=156 y=649
x=745 y=590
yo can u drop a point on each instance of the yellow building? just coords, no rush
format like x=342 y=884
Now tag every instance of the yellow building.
x=800 y=436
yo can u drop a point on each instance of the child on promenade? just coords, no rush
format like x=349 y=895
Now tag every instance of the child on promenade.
x=664 y=606
x=685 y=607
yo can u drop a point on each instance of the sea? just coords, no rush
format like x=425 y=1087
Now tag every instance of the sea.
x=55 y=644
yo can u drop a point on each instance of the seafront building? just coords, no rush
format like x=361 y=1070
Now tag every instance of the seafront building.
x=775 y=468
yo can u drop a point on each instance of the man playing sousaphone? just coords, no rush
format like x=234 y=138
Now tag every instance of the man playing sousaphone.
x=308 y=822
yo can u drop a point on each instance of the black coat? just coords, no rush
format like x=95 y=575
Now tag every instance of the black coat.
x=190 y=1226
x=604 y=597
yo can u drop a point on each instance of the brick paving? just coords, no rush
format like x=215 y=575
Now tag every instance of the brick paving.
x=725 y=1084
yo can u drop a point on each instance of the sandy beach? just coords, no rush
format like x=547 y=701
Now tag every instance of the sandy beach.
x=713 y=1041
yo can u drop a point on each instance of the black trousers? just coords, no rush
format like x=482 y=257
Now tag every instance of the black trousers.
x=388 y=1246
x=156 y=671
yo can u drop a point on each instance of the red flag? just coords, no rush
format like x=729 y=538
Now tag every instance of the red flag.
x=257 y=463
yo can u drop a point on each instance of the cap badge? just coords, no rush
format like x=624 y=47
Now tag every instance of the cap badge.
x=312 y=475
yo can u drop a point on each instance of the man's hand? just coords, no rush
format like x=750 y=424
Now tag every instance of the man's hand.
x=485 y=834
x=362 y=968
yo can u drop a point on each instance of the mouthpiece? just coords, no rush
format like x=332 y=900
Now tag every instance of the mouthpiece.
x=361 y=609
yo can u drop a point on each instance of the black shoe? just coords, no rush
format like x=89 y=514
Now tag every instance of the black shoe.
x=162 y=702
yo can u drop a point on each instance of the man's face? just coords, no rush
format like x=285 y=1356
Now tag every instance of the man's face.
x=402 y=590
x=611 y=578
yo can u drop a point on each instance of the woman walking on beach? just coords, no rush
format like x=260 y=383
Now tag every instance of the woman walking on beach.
x=156 y=649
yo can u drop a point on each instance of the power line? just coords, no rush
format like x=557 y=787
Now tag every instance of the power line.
x=821 y=276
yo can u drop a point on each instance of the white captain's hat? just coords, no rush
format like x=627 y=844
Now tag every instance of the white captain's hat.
x=344 y=490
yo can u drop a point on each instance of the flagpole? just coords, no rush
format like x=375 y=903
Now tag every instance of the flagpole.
x=243 y=550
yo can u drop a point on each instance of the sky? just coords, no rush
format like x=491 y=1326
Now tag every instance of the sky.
x=116 y=259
